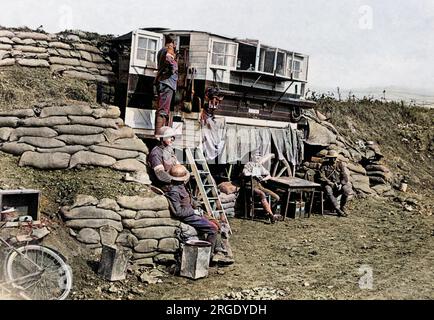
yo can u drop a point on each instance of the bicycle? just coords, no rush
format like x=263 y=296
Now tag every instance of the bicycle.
x=33 y=272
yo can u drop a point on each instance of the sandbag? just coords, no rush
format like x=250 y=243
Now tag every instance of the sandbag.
x=44 y=132
x=91 y=158
x=74 y=110
x=5 y=133
x=65 y=61
x=90 y=212
x=129 y=165
x=42 y=142
x=86 y=47
x=115 y=153
x=85 y=140
x=149 y=222
x=146 y=246
x=90 y=121
x=127 y=144
x=79 y=75
x=7 y=47
x=377 y=167
x=6 y=40
x=31 y=35
x=4 y=55
x=155 y=232
x=7 y=62
x=227 y=198
x=66 y=149
x=33 y=63
x=93 y=223
x=376 y=180
x=64 y=53
x=110 y=112
x=384 y=175
x=45 y=160
x=86 y=55
x=115 y=134
x=7 y=33
x=155 y=203
x=227 y=188
x=78 y=129
x=29 y=42
x=8 y=122
x=97 y=58
x=43 y=122
x=16 y=148
x=320 y=135
x=20 y=113
x=356 y=168
x=89 y=65
x=60 y=45
x=33 y=49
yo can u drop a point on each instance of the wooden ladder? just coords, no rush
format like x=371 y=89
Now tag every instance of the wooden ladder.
x=206 y=184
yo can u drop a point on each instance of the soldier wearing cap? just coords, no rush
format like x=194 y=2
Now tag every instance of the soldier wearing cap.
x=182 y=208
x=162 y=158
x=335 y=179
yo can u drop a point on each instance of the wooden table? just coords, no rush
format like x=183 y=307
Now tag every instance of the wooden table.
x=297 y=185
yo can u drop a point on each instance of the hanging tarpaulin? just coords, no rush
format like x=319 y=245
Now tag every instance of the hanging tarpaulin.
x=233 y=143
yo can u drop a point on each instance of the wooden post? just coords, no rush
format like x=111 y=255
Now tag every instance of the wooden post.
x=113 y=263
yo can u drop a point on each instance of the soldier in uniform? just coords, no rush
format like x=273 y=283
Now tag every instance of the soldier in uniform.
x=183 y=207
x=162 y=158
x=335 y=179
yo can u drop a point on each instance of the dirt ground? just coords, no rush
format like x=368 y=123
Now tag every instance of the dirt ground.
x=311 y=258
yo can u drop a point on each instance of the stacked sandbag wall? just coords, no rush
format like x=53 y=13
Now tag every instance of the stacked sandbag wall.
x=68 y=136
x=68 y=55
x=367 y=174
x=140 y=224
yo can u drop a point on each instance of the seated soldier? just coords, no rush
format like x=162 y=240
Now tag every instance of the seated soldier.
x=256 y=170
x=335 y=180
x=182 y=208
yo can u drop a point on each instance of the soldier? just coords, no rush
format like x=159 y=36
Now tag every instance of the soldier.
x=182 y=208
x=213 y=98
x=257 y=171
x=162 y=158
x=166 y=81
x=335 y=180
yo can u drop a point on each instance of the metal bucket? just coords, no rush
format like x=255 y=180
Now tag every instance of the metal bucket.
x=195 y=259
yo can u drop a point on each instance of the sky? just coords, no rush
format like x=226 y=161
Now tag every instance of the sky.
x=351 y=43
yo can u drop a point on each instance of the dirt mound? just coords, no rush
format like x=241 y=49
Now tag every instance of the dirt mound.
x=21 y=86
x=404 y=134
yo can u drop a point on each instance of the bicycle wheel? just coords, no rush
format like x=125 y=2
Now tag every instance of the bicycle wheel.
x=39 y=272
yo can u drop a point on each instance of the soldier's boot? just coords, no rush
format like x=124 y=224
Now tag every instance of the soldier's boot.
x=343 y=203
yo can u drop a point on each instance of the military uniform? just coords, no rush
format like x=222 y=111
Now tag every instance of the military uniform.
x=182 y=208
x=162 y=158
x=335 y=180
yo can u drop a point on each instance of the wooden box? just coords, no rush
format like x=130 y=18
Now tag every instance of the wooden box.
x=26 y=202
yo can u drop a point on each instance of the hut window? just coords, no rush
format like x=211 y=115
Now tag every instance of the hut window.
x=224 y=54
x=147 y=50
